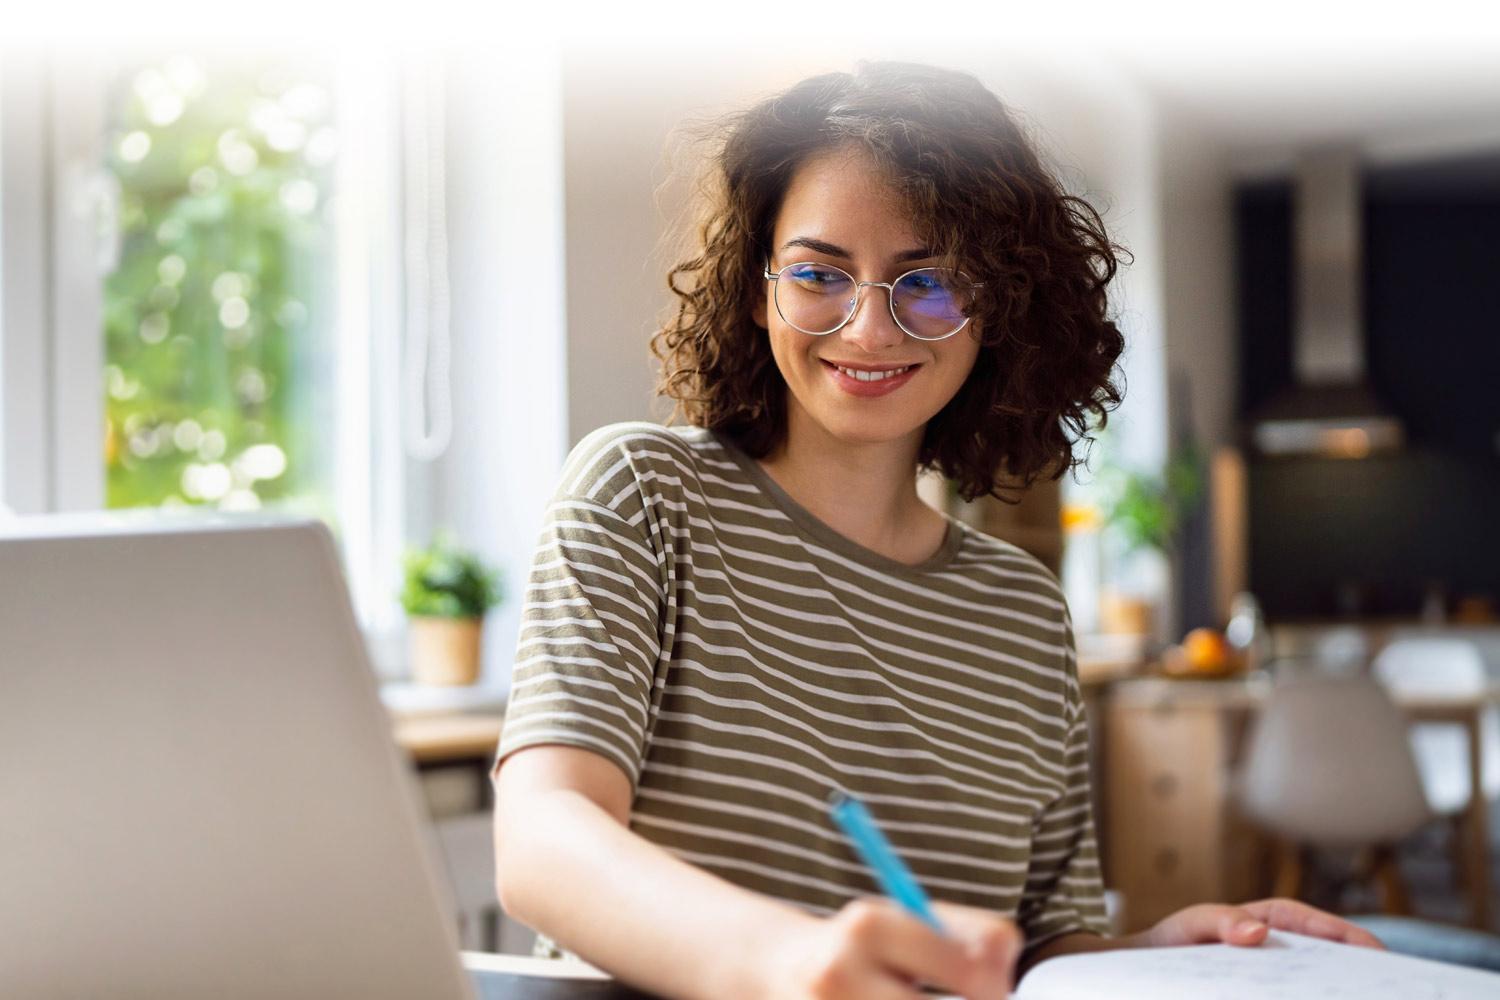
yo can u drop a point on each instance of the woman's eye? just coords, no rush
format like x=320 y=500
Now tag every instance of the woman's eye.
x=818 y=278
x=924 y=285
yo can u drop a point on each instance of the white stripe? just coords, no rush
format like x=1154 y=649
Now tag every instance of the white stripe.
x=595 y=530
x=831 y=766
x=690 y=458
x=1075 y=861
x=782 y=653
x=1004 y=745
x=821 y=780
x=797 y=539
x=880 y=680
x=630 y=680
x=575 y=700
x=823 y=832
x=708 y=539
x=600 y=481
x=743 y=601
x=1009 y=556
x=819 y=740
x=780 y=791
x=706 y=833
x=944 y=623
x=530 y=607
x=650 y=646
x=516 y=741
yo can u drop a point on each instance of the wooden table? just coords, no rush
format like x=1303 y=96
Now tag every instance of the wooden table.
x=1169 y=750
x=452 y=740
x=434 y=740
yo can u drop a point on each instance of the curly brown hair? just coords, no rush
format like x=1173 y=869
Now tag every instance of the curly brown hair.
x=979 y=195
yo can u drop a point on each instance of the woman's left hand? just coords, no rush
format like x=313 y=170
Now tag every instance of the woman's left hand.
x=1248 y=924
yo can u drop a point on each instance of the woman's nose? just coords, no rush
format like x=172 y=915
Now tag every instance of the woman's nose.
x=873 y=329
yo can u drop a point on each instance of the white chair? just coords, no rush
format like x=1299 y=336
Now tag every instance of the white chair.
x=1444 y=667
x=1328 y=764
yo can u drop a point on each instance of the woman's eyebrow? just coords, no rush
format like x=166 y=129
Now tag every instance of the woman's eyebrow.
x=824 y=247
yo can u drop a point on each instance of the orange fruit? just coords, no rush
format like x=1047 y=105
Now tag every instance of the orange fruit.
x=1206 y=651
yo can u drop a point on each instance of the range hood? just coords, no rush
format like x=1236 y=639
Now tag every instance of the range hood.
x=1331 y=410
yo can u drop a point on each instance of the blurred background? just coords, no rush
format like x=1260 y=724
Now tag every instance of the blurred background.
x=389 y=273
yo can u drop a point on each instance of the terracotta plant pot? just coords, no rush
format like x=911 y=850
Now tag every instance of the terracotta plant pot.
x=444 y=651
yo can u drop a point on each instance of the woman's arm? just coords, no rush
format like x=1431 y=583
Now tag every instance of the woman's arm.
x=567 y=865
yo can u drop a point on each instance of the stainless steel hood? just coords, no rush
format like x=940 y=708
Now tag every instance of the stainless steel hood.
x=1331 y=410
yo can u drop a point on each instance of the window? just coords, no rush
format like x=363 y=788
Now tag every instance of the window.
x=220 y=346
x=205 y=311
x=185 y=322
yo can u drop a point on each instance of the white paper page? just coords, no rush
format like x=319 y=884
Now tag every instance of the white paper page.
x=1285 y=965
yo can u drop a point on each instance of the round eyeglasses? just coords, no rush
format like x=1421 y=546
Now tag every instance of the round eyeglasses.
x=929 y=303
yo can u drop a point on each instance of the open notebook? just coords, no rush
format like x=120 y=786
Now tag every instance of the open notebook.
x=1285 y=965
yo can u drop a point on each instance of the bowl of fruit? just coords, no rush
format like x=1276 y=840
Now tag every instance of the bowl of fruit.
x=1203 y=653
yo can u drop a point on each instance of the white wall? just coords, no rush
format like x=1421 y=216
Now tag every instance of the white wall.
x=1198 y=288
x=26 y=436
x=505 y=203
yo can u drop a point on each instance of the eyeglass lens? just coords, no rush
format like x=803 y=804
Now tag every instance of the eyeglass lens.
x=929 y=303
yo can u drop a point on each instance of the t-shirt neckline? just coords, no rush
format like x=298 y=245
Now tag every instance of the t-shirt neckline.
x=827 y=537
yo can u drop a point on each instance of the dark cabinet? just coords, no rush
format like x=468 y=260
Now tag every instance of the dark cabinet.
x=1369 y=537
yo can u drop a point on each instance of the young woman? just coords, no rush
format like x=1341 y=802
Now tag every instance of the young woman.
x=730 y=619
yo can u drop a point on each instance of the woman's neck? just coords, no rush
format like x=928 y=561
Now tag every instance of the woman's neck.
x=865 y=492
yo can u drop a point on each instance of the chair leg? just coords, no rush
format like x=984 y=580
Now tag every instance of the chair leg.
x=1289 y=870
x=1458 y=849
x=1393 y=897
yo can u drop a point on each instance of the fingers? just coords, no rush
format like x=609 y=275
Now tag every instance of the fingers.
x=899 y=941
x=975 y=958
x=993 y=943
x=1238 y=926
x=1249 y=925
x=1210 y=923
x=867 y=982
x=1299 y=918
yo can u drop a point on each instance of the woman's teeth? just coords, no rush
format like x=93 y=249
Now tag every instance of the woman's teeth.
x=871 y=376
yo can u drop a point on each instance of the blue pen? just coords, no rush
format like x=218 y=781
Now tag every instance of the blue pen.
x=889 y=870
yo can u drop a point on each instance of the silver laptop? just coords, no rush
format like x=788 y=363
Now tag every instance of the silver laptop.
x=199 y=793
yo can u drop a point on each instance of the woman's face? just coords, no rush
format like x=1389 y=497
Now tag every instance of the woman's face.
x=839 y=210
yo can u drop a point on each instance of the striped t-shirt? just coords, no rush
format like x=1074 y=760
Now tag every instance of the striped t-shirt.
x=740 y=660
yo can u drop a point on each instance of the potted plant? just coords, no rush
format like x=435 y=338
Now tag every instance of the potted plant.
x=446 y=592
x=1145 y=512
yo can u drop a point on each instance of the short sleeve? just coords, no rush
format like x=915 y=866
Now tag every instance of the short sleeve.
x=589 y=640
x=1064 y=889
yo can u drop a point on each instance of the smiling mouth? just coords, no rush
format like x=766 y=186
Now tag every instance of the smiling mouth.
x=872 y=375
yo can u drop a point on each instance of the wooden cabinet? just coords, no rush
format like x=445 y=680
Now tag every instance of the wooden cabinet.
x=1170 y=834
x=1034 y=524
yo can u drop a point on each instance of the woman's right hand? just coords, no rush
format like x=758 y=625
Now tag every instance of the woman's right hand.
x=874 y=950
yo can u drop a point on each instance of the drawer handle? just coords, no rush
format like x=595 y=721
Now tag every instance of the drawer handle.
x=1164 y=785
x=1166 y=861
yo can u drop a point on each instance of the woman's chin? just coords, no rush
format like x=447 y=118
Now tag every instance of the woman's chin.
x=866 y=433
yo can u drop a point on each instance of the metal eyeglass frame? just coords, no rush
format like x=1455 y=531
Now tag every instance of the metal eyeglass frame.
x=859 y=287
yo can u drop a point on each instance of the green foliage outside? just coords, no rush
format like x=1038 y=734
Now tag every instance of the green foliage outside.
x=217 y=319
x=443 y=581
x=1147 y=508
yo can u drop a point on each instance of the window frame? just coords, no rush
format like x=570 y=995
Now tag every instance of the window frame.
x=53 y=257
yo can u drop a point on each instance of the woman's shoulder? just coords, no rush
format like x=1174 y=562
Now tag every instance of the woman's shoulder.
x=1005 y=570
x=618 y=458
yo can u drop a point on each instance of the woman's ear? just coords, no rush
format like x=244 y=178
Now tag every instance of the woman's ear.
x=758 y=312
